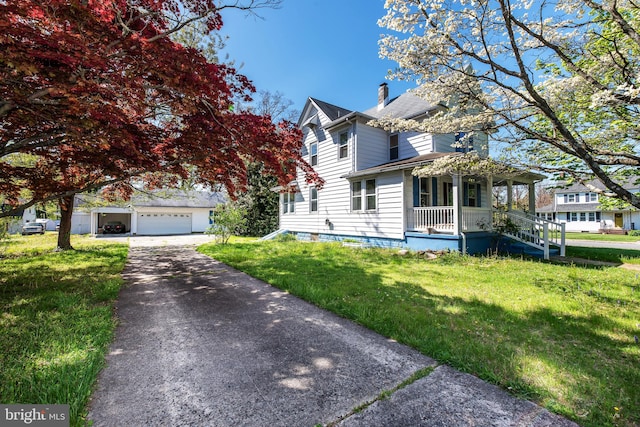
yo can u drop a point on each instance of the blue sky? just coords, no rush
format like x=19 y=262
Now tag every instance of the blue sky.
x=326 y=49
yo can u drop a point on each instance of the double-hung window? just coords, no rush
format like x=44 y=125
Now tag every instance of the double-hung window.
x=343 y=145
x=371 y=194
x=356 y=196
x=364 y=191
x=288 y=202
x=393 y=147
x=313 y=199
x=313 y=154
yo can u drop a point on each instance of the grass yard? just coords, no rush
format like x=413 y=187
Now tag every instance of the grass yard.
x=603 y=237
x=562 y=336
x=620 y=256
x=56 y=318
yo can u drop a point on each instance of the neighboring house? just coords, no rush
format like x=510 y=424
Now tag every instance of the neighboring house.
x=27 y=215
x=370 y=194
x=158 y=214
x=578 y=207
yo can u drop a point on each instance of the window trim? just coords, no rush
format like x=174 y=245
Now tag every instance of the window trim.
x=356 y=196
x=313 y=200
x=366 y=195
x=343 y=145
x=288 y=202
x=369 y=195
x=313 y=156
x=394 y=147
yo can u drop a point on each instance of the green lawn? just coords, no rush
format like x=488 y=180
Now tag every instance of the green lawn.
x=603 y=237
x=620 y=256
x=56 y=318
x=560 y=335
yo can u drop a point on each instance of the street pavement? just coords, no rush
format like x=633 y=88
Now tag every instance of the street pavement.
x=202 y=344
x=603 y=244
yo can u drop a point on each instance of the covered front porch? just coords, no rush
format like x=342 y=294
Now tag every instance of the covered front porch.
x=459 y=203
x=474 y=212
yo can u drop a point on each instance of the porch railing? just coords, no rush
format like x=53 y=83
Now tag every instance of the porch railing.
x=529 y=229
x=440 y=219
x=537 y=232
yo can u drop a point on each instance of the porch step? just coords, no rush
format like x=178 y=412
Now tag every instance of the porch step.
x=518 y=248
x=273 y=235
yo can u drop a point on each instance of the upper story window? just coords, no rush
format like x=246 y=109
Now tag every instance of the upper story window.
x=393 y=147
x=572 y=198
x=313 y=153
x=288 y=202
x=464 y=142
x=592 y=197
x=343 y=146
x=313 y=199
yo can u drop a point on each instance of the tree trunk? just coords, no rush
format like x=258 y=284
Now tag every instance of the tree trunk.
x=64 y=234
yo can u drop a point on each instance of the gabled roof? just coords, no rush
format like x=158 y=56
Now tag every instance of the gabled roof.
x=179 y=199
x=332 y=111
x=162 y=198
x=405 y=106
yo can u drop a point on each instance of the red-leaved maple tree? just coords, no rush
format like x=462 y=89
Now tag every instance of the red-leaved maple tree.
x=95 y=93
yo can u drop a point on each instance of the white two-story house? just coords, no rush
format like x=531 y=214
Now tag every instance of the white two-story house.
x=578 y=207
x=370 y=194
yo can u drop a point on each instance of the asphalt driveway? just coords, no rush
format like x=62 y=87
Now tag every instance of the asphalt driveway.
x=202 y=344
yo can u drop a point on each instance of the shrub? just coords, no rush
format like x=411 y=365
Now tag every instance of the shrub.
x=228 y=218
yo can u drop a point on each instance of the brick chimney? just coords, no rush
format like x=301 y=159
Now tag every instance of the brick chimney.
x=383 y=96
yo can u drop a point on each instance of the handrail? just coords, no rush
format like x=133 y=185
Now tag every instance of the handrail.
x=531 y=230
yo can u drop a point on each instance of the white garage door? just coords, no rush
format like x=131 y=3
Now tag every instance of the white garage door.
x=164 y=223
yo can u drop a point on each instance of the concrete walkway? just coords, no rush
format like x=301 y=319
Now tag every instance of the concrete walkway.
x=202 y=344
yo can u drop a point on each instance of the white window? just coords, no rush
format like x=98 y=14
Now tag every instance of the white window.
x=371 y=194
x=313 y=154
x=313 y=199
x=367 y=187
x=288 y=202
x=356 y=196
x=393 y=147
x=574 y=216
x=343 y=147
x=593 y=197
x=583 y=216
x=592 y=216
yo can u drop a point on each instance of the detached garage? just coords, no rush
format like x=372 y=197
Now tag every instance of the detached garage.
x=161 y=223
x=161 y=214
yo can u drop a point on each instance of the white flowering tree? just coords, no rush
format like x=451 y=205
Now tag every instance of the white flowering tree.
x=555 y=82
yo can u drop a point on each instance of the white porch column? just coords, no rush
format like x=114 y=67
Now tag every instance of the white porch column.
x=490 y=197
x=509 y=194
x=93 y=223
x=457 y=204
x=532 y=198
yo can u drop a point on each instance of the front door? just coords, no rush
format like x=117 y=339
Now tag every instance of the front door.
x=618 y=220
